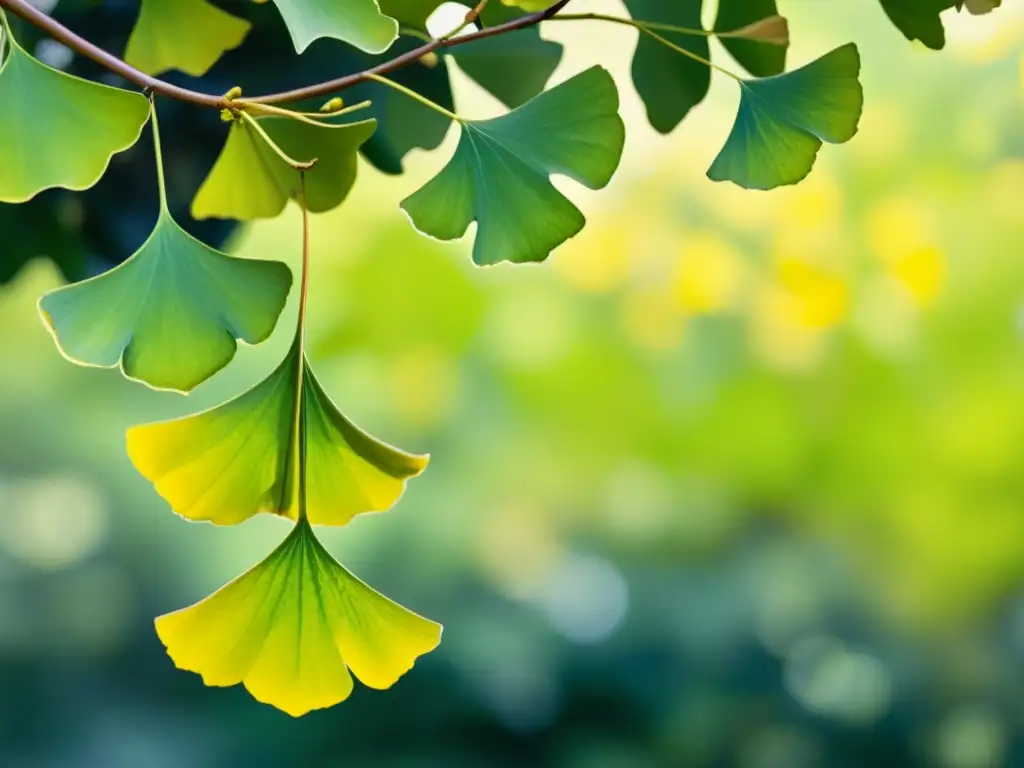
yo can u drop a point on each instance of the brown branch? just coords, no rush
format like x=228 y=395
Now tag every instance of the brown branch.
x=80 y=45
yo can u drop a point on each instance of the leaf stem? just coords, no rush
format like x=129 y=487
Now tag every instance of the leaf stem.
x=634 y=23
x=160 y=181
x=80 y=45
x=314 y=118
x=471 y=17
x=300 y=333
x=413 y=95
x=648 y=28
x=296 y=164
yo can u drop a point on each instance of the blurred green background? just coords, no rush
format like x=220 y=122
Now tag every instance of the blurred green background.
x=734 y=479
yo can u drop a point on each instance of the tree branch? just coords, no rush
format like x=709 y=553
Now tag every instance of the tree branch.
x=80 y=45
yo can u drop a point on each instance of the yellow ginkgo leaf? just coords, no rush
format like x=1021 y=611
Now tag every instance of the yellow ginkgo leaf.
x=239 y=459
x=292 y=628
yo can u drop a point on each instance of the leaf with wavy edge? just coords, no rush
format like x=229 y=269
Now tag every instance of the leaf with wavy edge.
x=187 y=35
x=58 y=130
x=783 y=120
x=239 y=459
x=169 y=315
x=356 y=22
x=292 y=629
x=250 y=181
x=499 y=175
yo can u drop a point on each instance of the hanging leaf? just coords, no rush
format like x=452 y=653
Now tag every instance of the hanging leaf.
x=498 y=176
x=783 y=120
x=169 y=315
x=761 y=59
x=356 y=22
x=920 y=20
x=292 y=628
x=251 y=181
x=236 y=460
x=670 y=83
x=188 y=35
x=58 y=130
x=490 y=61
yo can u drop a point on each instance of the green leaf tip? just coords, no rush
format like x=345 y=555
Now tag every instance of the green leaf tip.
x=669 y=83
x=169 y=315
x=295 y=628
x=356 y=22
x=187 y=35
x=238 y=459
x=499 y=174
x=59 y=130
x=783 y=120
x=250 y=181
x=920 y=19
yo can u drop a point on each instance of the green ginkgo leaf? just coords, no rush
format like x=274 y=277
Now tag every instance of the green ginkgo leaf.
x=251 y=181
x=356 y=22
x=57 y=130
x=188 y=35
x=758 y=58
x=293 y=628
x=169 y=315
x=498 y=176
x=920 y=19
x=489 y=61
x=783 y=120
x=669 y=83
x=234 y=461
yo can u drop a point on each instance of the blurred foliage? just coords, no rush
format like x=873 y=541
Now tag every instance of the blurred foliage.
x=733 y=480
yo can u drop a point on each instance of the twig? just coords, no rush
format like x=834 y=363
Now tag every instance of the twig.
x=80 y=45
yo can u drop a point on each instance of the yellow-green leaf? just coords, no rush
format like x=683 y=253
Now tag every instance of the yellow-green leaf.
x=292 y=628
x=250 y=181
x=57 y=130
x=239 y=459
x=356 y=22
x=188 y=35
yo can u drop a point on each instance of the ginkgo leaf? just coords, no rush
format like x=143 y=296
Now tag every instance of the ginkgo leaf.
x=761 y=59
x=251 y=181
x=783 y=120
x=498 y=176
x=237 y=460
x=58 y=130
x=356 y=22
x=169 y=315
x=920 y=19
x=669 y=83
x=293 y=627
x=490 y=61
x=188 y=35
x=530 y=5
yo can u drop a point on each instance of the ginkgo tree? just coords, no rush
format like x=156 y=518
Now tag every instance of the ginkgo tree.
x=298 y=625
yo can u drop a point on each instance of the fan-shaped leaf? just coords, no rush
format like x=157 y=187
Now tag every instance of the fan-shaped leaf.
x=411 y=13
x=357 y=22
x=670 y=83
x=498 y=176
x=759 y=59
x=238 y=459
x=170 y=314
x=783 y=120
x=58 y=130
x=188 y=35
x=250 y=181
x=292 y=628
